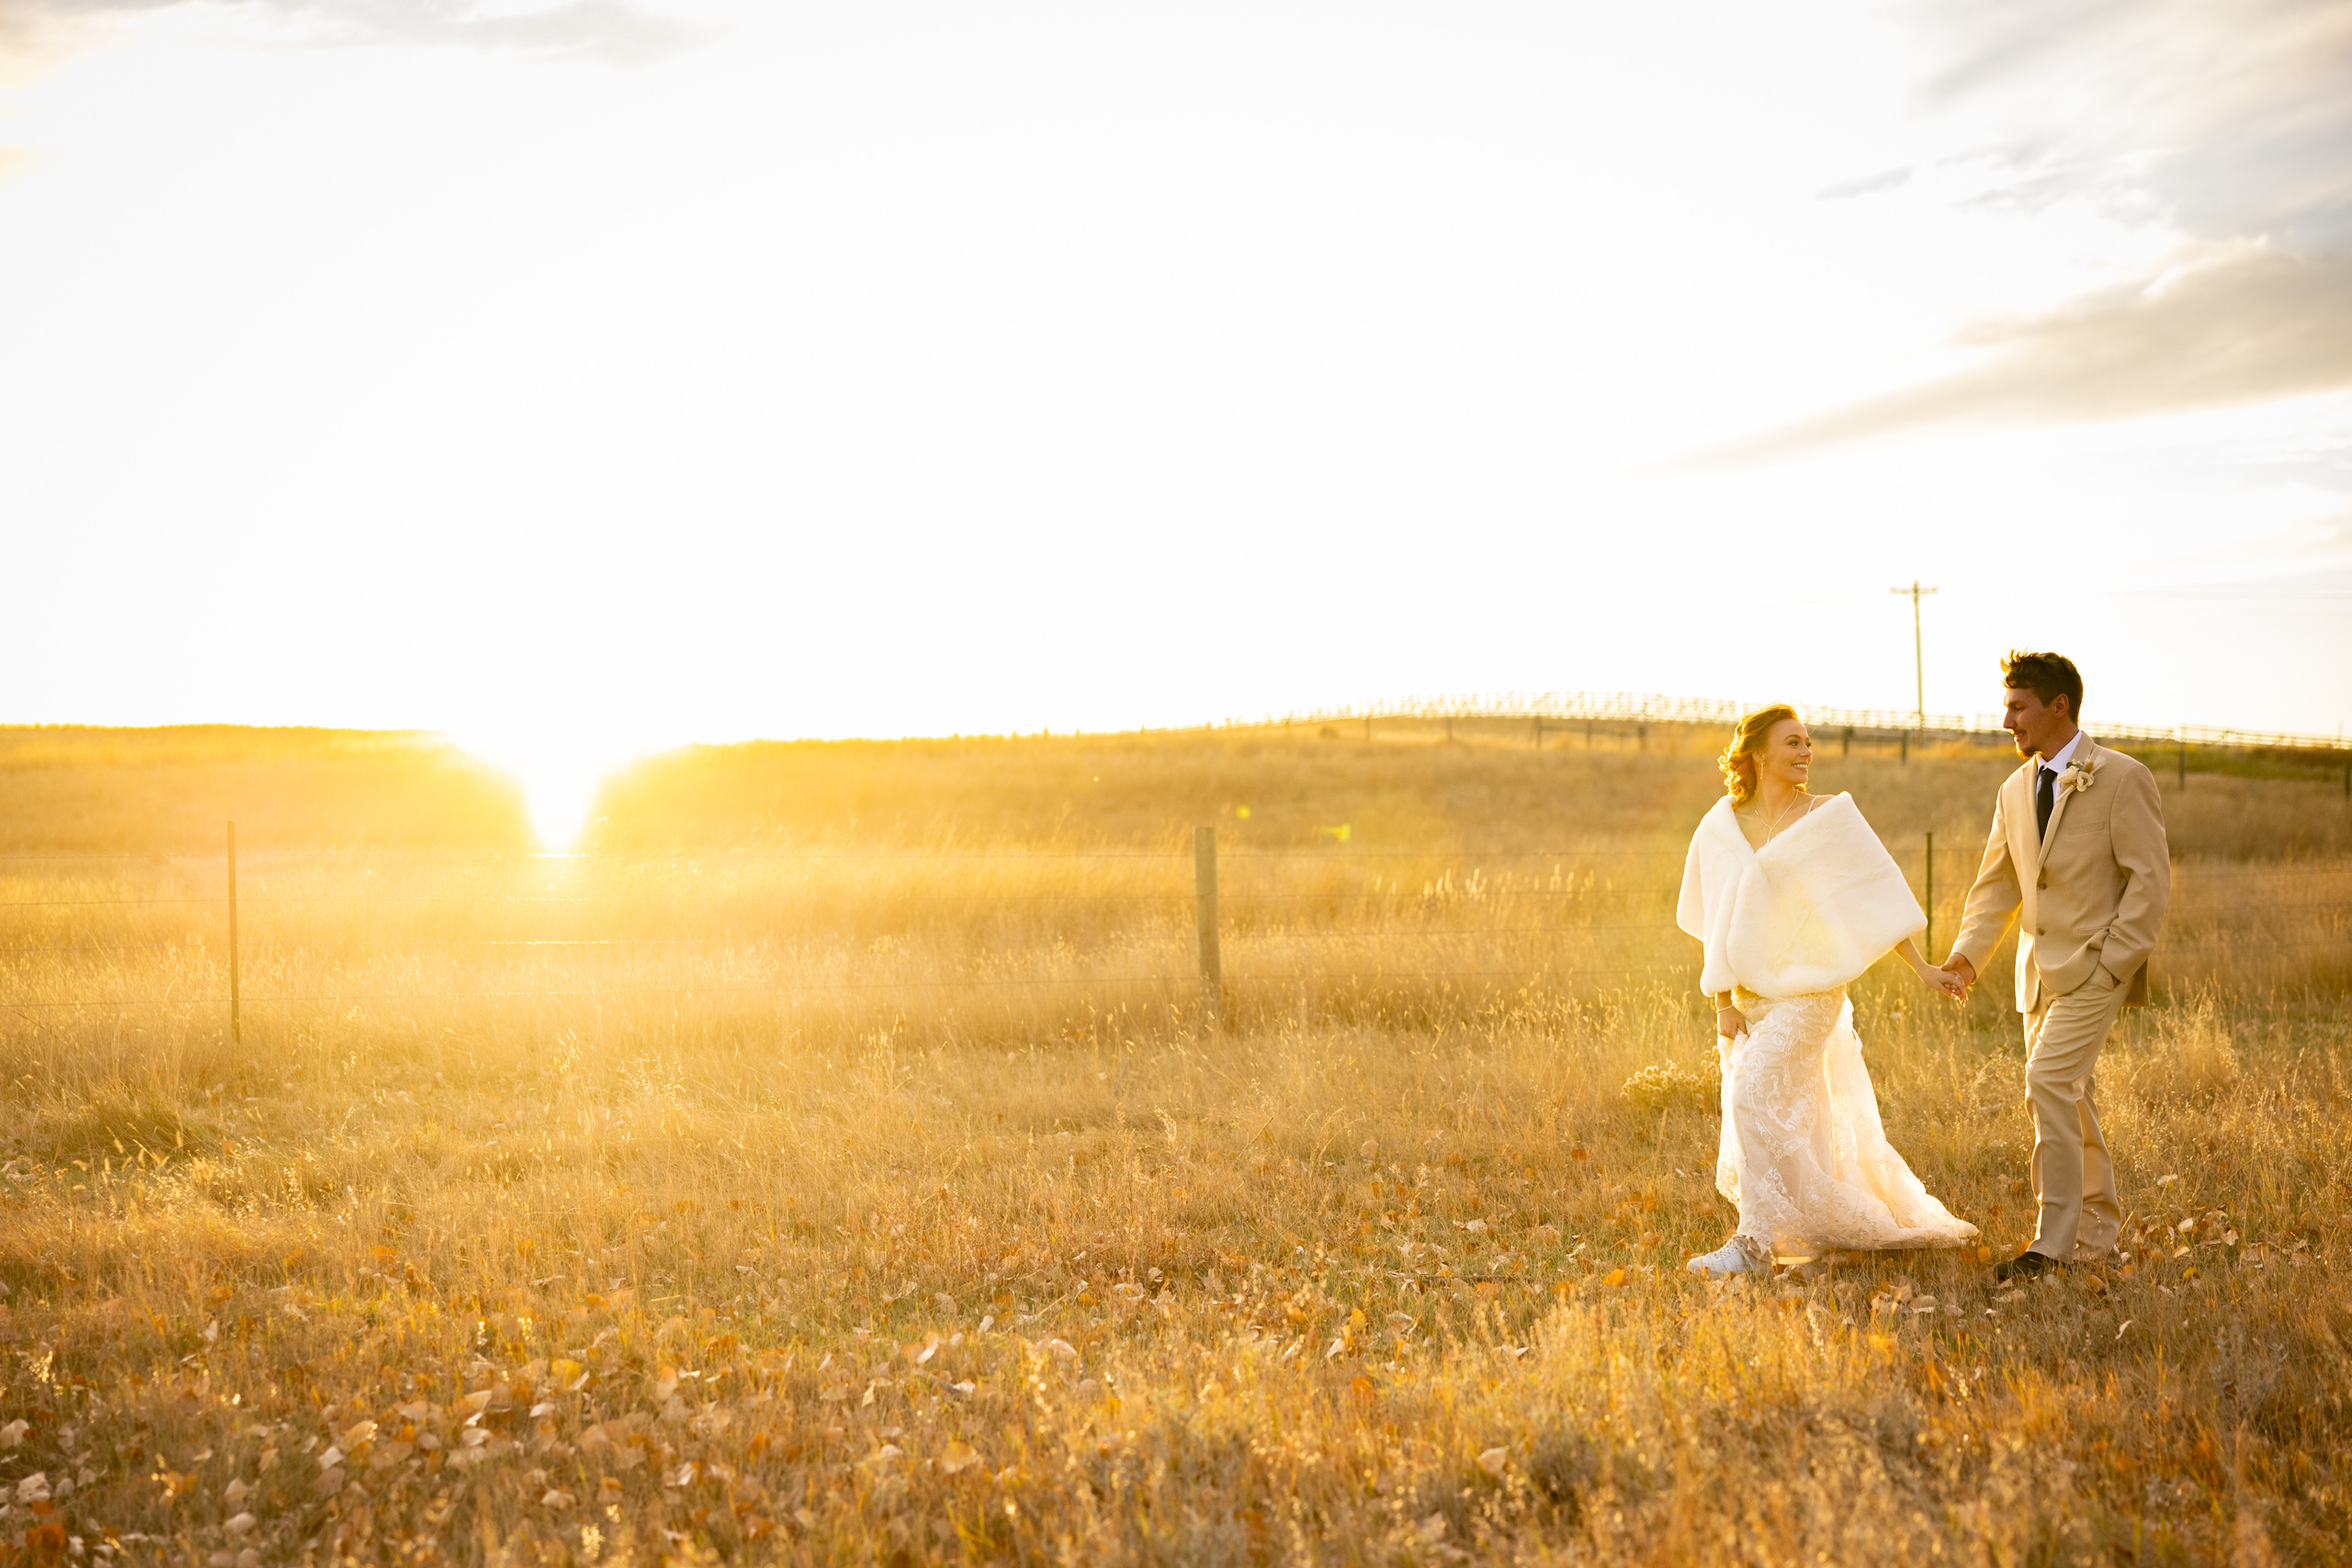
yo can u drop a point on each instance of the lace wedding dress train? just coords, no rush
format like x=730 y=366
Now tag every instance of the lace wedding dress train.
x=1785 y=928
x=1802 y=1153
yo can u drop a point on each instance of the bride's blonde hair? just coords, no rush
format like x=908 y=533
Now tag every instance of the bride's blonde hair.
x=1738 y=761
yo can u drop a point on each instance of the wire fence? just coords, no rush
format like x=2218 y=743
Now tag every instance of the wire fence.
x=1570 y=710
x=1080 y=931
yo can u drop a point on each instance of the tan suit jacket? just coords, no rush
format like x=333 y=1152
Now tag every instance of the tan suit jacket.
x=2091 y=890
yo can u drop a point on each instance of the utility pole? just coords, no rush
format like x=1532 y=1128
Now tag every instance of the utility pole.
x=1919 y=654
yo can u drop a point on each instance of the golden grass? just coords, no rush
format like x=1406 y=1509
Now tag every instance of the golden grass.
x=875 y=1196
x=76 y=788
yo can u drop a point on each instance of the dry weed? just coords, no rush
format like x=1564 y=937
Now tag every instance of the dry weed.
x=670 y=1207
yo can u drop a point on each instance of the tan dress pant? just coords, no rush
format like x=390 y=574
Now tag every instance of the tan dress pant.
x=2074 y=1178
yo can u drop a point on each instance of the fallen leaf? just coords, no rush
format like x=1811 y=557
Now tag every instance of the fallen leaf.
x=13 y=1434
x=1615 y=1277
x=239 y=1524
x=957 y=1457
x=1493 y=1460
x=557 y=1498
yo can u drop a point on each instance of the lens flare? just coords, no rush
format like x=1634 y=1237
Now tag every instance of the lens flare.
x=559 y=773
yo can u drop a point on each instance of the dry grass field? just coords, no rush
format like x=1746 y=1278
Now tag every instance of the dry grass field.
x=831 y=1167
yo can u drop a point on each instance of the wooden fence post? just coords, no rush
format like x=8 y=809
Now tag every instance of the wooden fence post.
x=236 y=1030
x=1906 y=746
x=1846 y=748
x=1204 y=920
x=1539 y=732
x=2184 y=757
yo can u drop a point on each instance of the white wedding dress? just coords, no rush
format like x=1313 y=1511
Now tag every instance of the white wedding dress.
x=1785 y=928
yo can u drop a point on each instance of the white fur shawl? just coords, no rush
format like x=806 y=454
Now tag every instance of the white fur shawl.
x=1808 y=912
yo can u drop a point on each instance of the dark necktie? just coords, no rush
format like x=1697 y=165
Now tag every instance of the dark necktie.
x=2045 y=794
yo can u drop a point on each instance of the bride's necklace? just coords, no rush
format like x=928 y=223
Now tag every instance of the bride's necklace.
x=1774 y=825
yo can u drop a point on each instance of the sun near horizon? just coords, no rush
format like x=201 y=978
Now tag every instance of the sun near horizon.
x=708 y=369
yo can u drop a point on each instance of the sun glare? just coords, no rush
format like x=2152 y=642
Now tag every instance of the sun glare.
x=559 y=776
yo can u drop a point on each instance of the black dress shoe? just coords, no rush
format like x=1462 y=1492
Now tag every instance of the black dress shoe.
x=2026 y=1266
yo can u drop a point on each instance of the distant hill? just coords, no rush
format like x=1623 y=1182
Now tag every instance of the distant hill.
x=82 y=789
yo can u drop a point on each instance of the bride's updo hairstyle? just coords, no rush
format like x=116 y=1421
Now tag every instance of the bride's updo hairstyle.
x=1738 y=761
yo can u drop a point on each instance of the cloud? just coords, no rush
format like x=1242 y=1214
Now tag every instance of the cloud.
x=609 y=30
x=2235 y=115
x=2307 y=566
x=2229 y=121
x=2255 y=327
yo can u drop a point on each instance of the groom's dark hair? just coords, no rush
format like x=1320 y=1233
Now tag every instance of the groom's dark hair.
x=2048 y=676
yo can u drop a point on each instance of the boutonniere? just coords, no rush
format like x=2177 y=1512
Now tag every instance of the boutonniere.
x=2075 y=777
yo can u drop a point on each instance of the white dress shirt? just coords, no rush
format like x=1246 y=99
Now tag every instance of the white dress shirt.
x=2057 y=764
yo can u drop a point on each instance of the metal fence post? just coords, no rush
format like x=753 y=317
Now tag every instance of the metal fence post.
x=1204 y=920
x=1931 y=894
x=236 y=1031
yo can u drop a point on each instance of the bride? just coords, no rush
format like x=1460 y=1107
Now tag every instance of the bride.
x=1793 y=896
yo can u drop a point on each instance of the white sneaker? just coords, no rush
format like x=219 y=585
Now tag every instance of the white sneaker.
x=1727 y=1261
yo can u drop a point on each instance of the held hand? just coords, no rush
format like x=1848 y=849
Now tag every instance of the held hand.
x=1938 y=979
x=1960 y=974
x=1730 y=1022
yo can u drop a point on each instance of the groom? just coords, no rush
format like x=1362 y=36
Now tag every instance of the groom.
x=2078 y=844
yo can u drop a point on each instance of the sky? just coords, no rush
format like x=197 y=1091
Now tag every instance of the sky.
x=579 y=379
